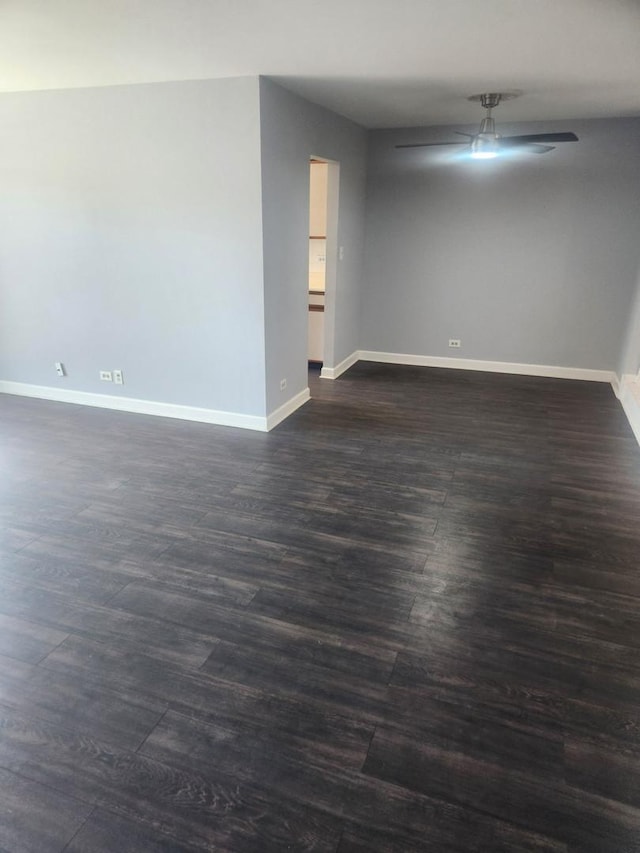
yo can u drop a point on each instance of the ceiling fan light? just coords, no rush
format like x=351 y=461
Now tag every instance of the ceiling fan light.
x=484 y=155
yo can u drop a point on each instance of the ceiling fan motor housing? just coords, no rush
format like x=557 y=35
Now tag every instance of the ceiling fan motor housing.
x=486 y=143
x=488 y=128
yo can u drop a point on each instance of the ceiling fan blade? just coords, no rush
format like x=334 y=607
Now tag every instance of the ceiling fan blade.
x=535 y=148
x=539 y=137
x=429 y=144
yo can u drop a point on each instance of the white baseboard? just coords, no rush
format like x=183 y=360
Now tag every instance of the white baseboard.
x=616 y=385
x=627 y=390
x=345 y=364
x=630 y=400
x=491 y=366
x=141 y=407
x=287 y=409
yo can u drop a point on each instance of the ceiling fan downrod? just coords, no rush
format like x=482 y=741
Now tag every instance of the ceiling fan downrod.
x=488 y=125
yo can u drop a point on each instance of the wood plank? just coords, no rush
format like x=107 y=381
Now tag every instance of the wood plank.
x=35 y=817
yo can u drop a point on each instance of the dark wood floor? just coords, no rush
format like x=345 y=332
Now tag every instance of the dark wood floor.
x=406 y=620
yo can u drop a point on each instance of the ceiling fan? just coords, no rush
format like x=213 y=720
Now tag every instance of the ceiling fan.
x=487 y=143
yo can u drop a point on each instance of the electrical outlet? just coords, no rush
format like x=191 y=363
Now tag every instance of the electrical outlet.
x=105 y=376
x=341 y=253
x=117 y=377
x=454 y=342
x=283 y=384
x=60 y=369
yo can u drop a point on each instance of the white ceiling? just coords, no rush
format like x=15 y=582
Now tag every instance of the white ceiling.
x=383 y=63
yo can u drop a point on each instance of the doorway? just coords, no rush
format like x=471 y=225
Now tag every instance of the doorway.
x=323 y=254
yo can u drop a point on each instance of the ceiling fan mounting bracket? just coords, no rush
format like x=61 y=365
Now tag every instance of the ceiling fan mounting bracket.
x=489 y=100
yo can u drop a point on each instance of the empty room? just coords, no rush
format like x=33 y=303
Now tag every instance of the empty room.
x=320 y=426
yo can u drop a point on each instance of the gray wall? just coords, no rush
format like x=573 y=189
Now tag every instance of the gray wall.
x=292 y=130
x=528 y=260
x=162 y=229
x=131 y=237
